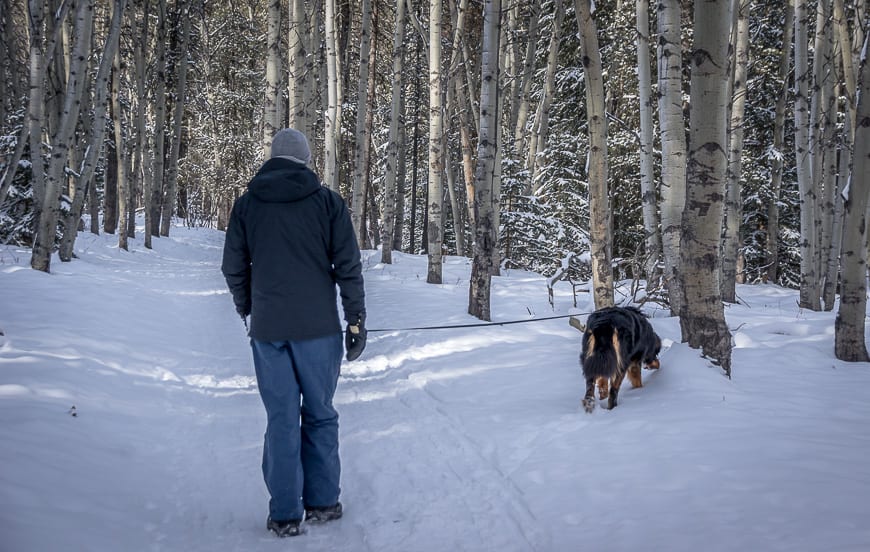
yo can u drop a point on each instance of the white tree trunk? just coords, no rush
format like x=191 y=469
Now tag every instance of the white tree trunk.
x=673 y=139
x=464 y=109
x=820 y=88
x=332 y=123
x=94 y=138
x=457 y=107
x=829 y=240
x=456 y=83
x=849 y=329
x=36 y=114
x=702 y=314
x=272 y=103
x=810 y=296
x=733 y=199
x=391 y=170
x=120 y=155
x=140 y=168
x=62 y=138
x=647 y=176
x=600 y=225
x=485 y=232
x=360 y=152
x=296 y=56
x=435 y=227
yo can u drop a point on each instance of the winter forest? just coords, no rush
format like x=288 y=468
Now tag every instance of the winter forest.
x=687 y=147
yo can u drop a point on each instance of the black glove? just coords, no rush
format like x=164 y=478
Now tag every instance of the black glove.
x=243 y=313
x=244 y=309
x=355 y=338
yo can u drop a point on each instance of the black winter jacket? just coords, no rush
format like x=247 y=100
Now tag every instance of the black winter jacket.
x=289 y=242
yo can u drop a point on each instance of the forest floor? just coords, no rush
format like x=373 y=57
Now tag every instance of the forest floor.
x=130 y=420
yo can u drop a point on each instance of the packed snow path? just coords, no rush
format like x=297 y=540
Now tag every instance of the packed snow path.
x=462 y=439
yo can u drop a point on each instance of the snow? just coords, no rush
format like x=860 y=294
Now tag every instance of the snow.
x=131 y=420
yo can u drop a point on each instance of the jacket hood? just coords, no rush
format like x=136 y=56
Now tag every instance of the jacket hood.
x=282 y=181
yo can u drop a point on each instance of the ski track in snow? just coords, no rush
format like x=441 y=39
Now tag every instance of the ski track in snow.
x=457 y=439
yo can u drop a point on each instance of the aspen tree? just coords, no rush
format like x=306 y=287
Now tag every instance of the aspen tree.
x=95 y=135
x=361 y=149
x=61 y=140
x=272 y=104
x=647 y=178
x=435 y=226
x=392 y=166
x=733 y=186
x=485 y=232
x=702 y=314
x=809 y=290
x=600 y=225
x=849 y=328
x=332 y=122
x=673 y=140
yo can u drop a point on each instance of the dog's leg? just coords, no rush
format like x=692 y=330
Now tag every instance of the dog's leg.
x=652 y=364
x=634 y=374
x=614 y=389
x=603 y=387
x=589 y=399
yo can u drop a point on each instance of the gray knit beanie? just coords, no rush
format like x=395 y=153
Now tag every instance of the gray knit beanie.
x=291 y=144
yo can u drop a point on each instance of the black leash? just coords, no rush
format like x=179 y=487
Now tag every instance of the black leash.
x=477 y=325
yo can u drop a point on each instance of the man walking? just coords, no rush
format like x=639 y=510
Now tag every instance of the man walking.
x=289 y=242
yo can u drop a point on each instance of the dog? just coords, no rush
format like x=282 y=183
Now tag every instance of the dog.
x=615 y=343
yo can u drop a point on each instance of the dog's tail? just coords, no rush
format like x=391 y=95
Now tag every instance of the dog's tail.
x=601 y=357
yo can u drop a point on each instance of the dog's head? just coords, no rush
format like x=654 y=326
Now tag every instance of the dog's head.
x=653 y=363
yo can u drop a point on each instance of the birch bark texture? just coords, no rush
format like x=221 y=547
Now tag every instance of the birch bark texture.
x=673 y=140
x=297 y=75
x=392 y=167
x=600 y=224
x=96 y=131
x=485 y=232
x=120 y=155
x=331 y=123
x=360 y=152
x=434 y=227
x=849 y=328
x=272 y=101
x=36 y=112
x=702 y=314
x=733 y=200
x=62 y=139
x=810 y=296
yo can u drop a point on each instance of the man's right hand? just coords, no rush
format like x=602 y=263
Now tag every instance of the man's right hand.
x=355 y=339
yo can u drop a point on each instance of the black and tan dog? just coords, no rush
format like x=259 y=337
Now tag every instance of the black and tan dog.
x=616 y=341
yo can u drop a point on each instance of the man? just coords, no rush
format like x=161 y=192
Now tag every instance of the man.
x=289 y=242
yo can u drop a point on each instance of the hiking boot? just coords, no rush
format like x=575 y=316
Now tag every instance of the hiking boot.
x=322 y=514
x=286 y=528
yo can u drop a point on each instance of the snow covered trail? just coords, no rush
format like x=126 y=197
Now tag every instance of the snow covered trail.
x=457 y=439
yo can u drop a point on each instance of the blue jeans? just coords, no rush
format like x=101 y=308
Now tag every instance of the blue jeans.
x=297 y=381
